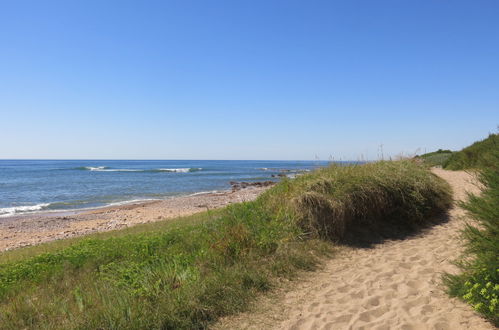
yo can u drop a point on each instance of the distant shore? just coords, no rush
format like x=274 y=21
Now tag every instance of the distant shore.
x=36 y=228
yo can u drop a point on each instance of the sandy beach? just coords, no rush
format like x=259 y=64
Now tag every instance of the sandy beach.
x=396 y=285
x=32 y=229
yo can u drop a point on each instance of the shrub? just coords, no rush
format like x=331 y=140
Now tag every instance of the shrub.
x=479 y=283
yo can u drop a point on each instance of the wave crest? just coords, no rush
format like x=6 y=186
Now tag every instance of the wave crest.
x=107 y=169
x=9 y=211
x=91 y=168
x=179 y=170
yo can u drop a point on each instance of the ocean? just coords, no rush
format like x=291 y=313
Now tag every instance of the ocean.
x=28 y=186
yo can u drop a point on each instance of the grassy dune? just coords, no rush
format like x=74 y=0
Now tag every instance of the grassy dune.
x=436 y=158
x=480 y=154
x=188 y=272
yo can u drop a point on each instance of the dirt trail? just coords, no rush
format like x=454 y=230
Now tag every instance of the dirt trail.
x=396 y=285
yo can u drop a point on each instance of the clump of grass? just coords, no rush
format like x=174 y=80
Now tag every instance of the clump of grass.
x=337 y=201
x=480 y=154
x=185 y=274
x=479 y=283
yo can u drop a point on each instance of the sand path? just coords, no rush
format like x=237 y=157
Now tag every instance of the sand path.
x=396 y=285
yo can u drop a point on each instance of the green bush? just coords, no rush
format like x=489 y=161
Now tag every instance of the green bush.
x=479 y=283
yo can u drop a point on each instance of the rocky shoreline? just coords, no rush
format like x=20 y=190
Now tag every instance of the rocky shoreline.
x=236 y=186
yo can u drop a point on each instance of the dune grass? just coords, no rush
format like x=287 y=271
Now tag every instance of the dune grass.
x=479 y=283
x=186 y=273
x=436 y=158
x=480 y=154
x=338 y=202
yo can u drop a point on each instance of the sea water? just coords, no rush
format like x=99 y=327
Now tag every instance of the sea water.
x=28 y=186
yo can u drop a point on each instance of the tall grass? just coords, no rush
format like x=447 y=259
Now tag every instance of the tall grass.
x=187 y=273
x=480 y=154
x=479 y=283
x=436 y=158
x=339 y=202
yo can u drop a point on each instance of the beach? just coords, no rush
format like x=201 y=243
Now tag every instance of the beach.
x=46 y=200
x=37 y=228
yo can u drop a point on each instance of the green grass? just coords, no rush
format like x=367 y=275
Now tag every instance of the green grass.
x=479 y=283
x=480 y=154
x=436 y=158
x=186 y=273
x=337 y=201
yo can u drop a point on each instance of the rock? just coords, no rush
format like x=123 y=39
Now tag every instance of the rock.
x=242 y=185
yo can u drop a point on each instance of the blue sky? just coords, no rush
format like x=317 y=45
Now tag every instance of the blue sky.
x=245 y=79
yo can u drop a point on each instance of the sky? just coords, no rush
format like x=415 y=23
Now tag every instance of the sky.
x=245 y=79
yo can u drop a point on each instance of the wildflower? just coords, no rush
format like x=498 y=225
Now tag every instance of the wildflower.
x=478 y=307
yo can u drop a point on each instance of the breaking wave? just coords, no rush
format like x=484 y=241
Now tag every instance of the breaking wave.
x=107 y=169
x=179 y=170
x=9 y=211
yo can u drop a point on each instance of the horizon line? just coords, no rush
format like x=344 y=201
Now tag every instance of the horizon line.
x=186 y=159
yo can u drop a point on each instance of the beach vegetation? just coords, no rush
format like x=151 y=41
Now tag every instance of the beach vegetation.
x=435 y=158
x=478 y=284
x=188 y=272
x=481 y=154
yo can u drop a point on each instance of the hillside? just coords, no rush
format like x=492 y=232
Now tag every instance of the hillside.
x=478 y=155
x=435 y=158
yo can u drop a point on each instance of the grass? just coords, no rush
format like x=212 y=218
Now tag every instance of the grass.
x=436 y=158
x=339 y=202
x=478 y=284
x=186 y=273
x=480 y=154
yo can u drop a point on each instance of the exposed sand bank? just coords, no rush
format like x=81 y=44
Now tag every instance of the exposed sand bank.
x=38 y=228
x=396 y=285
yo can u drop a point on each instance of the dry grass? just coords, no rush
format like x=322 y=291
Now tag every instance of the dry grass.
x=336 y=201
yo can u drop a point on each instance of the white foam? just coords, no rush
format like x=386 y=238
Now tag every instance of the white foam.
x=120 y=170
x=9 y=211
x=179 y=170
x=106 y=169
x=96 y=168
x=173 y=170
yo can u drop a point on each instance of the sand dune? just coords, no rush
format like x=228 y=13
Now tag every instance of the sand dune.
x=396 y=285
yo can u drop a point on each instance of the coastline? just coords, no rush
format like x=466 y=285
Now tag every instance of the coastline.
x=36 y=228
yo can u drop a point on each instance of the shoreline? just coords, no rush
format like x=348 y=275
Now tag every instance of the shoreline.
x=68 y=212
x=39 y=227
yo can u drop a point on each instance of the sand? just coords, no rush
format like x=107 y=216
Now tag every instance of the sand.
x=396 y=285
x=37 y=228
